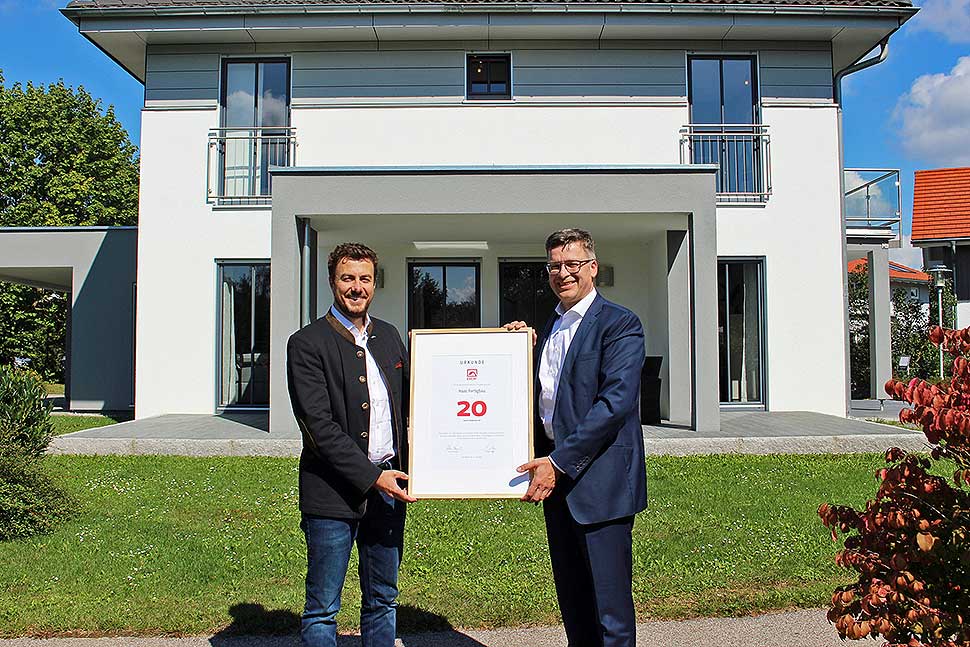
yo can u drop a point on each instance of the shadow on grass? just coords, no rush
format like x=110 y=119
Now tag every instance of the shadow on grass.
x=281 y=628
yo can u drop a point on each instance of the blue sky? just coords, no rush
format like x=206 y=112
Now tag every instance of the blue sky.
x=911 y=112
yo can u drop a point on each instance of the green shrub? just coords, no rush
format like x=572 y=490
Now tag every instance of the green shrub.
x=25 y=424
x=30 y=502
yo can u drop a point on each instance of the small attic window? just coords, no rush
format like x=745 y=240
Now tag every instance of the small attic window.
x=489 y=76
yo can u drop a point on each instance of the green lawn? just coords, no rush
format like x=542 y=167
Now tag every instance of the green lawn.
x=55 y=389
x=182 y=545
x=65 y=424
x=895 y=423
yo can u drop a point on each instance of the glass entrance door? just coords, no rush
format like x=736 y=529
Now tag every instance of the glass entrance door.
x=740 y=314
x=524 y=293
x=244 y=334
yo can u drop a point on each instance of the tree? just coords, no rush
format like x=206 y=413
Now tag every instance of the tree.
x=910 y=322
x=64 y=161
x=910 y=545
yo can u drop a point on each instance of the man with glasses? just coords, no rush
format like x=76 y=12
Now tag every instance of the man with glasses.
x=590 y=473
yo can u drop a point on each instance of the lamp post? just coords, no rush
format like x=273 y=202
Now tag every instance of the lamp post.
x=939 y=272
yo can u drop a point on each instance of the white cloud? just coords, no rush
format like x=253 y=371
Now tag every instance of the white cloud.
x=934 y=117
x=907 y=254
x=948 y=17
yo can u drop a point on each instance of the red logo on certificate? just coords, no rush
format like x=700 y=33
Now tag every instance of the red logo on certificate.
x=471 y=374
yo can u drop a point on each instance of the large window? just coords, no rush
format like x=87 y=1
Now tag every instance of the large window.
x=740 y=325
x=243 y=334
x=444 y=295
x=524 y=293
x=489 y=76
x=724 y=122
x=255 y=132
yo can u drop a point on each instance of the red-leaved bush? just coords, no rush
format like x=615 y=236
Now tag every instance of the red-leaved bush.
x=911 y=544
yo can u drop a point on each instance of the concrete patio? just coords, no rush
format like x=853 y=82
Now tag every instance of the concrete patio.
x=744 y=432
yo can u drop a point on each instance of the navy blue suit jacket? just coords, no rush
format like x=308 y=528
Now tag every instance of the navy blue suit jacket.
x=596 y=421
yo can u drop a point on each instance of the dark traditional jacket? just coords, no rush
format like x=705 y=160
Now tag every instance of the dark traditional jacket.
x=327 y=379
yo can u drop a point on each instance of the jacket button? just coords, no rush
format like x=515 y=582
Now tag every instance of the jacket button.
x=363 y=434
x=362 y=379
x=360 y=353
x=364 y=406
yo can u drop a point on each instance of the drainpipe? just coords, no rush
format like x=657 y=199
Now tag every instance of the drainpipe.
x=857 y=67
x=837 y=96
x=953 y=286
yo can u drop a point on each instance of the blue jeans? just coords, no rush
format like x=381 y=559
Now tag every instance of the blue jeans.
x=380 y=544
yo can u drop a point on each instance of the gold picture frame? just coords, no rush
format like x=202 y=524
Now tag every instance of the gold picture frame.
x=477 y=437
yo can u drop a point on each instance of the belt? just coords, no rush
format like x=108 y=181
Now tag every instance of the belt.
x=385 y=465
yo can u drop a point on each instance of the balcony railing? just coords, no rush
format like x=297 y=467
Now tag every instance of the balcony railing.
x=872 y=200
x=238 y=163
x=742 y=153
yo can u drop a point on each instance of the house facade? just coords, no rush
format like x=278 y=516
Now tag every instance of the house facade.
x=698 y=142
x=941 y=226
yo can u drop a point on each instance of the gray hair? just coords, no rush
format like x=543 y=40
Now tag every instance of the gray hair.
x=565 y=237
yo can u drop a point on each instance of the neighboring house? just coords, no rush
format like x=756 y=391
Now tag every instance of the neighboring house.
x=699 y=142
x=915 y=283
x=941 y=226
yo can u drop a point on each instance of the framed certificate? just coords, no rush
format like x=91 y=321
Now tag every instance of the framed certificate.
x=471 y=413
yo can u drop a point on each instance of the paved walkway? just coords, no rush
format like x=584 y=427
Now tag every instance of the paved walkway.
x=884 y=409
x=806 y=628
x=744 y=432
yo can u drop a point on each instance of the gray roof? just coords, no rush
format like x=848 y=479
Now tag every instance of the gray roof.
x=293 y=4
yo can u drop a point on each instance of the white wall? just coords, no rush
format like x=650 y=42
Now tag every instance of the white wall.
x=487 y=135
x=180 y=238
x=799 y=234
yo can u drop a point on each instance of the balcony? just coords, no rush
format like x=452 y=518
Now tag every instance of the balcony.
x=238 y=163
x=742 y=153
x=872 y=202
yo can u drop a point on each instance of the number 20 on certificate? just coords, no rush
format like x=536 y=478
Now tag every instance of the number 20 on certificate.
x=467 y=409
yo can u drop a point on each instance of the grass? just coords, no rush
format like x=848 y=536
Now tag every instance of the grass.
x=170 y=545
x=65 y=424
x=54 y=389
x=895 y=423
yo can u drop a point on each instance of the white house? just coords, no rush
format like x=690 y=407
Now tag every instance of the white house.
x=700 y=143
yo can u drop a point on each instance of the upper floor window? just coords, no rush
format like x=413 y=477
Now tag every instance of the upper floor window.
x=723 y=90
x=489 y=76
x=724 y=126
x=255 y=131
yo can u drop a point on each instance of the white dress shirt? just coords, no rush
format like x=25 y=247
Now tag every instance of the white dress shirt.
x=554 y=353
x=380 y=443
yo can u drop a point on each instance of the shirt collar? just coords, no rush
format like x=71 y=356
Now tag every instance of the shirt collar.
x=581 y=307
x=339 y=316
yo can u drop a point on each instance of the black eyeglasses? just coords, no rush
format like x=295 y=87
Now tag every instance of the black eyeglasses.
x=571 y=266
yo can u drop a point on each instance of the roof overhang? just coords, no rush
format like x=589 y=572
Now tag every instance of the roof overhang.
x=939 y=242
x=125 y=33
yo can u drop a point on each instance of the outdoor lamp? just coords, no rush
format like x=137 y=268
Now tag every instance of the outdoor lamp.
x=939 y=272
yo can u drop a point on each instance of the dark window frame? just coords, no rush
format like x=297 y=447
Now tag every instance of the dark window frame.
x=720 y=58
x=224 y=77
x=488 y=58
x=476 y=263
x=221 y=264
x=762 y=265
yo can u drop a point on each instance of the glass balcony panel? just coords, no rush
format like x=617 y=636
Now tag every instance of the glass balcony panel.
x=872 y=202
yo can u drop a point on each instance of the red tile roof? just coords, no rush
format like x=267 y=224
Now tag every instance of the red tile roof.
x=941 y=204
x=897 y=271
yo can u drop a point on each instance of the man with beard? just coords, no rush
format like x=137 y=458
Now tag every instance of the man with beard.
x=348 y=382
